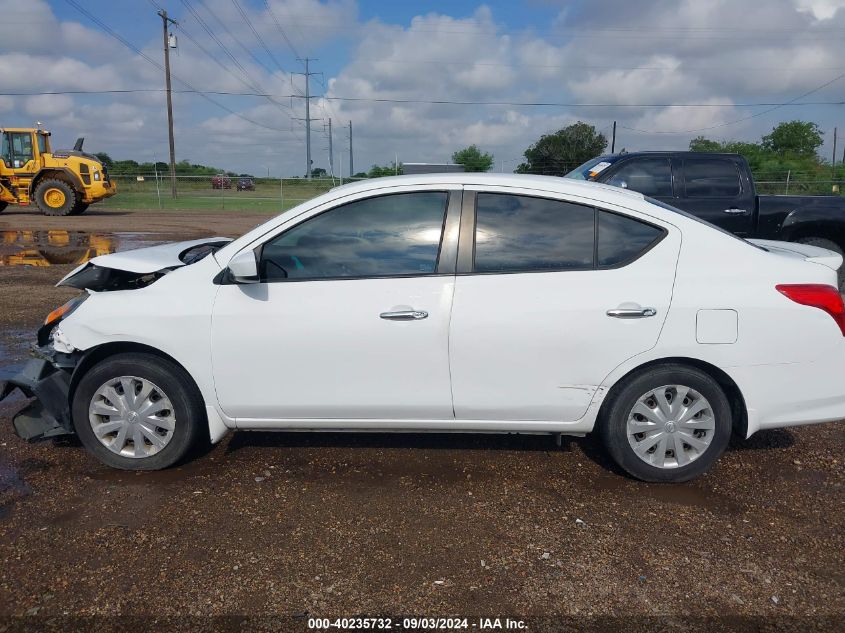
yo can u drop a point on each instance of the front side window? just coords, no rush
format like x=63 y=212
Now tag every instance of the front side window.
x=385 y=236
x=522 y=233
x=21 y=148
x=649 y=176
x=711 y=178
x=42 y=143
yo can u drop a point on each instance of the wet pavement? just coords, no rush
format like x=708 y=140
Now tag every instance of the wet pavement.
x=298 y=524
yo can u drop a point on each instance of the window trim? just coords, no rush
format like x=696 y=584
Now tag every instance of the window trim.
x=733 y=163
x=446 y=248
x=466 y=247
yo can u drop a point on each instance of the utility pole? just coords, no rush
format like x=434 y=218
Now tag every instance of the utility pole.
x=165 y=22
x=351 y=169
x=613 y=142
x=307 y=75
x=833 y=162
x=331 y=150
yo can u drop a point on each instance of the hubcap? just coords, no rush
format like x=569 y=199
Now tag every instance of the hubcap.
x=671 y=426
x=54 y=197
x=132 y=417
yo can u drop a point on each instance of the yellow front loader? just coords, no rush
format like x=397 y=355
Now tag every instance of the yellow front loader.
x=63 y=182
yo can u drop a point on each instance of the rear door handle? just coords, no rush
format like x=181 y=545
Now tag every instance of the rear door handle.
x=735 y=211
x=404 y=315
x=631 y=313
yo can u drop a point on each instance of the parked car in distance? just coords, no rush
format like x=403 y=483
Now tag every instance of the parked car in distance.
x=719 y=188
x=221 y=181
x=246 y=184
x=454 y=303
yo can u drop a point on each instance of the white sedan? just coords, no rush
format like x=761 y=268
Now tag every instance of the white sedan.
x=459 y=302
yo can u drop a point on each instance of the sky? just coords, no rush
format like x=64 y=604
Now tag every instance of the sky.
x=665 y=70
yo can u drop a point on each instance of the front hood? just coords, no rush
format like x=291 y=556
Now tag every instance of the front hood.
x=144 y=261
x=807 y=252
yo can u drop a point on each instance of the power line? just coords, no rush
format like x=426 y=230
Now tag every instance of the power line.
x=559 y=104
x=281 y=30
x=774 y=106
x=257 y=34
x=147 y=58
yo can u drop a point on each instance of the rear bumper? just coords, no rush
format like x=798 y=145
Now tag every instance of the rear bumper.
x=49 y=414
x=793 y=394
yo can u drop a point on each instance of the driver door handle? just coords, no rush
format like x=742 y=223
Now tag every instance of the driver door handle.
x=631 y=313
x=404 y=315
x=736 y=211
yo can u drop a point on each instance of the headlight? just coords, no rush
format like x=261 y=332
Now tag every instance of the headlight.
x=66 y=309
x=96 y=175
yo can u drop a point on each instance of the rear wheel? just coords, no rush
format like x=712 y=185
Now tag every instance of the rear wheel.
x=55 y=197
x=667 y=424
x=823 y=242
x=138 y=412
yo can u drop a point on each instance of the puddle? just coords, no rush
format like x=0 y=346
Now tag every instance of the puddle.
x=58 y=247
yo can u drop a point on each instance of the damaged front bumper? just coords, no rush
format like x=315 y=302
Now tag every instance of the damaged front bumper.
x=48 y=382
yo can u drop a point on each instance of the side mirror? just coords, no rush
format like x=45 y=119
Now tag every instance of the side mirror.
x=243 y=268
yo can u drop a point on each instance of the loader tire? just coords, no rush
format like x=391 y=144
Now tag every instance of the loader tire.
x=55 y=197
x=79 y=209
x=3 y=206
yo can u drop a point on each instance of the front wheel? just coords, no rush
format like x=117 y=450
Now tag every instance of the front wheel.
x=667 y=424
x=79 y=208
x=55 y=197
x=138 y=412
x=3 y=206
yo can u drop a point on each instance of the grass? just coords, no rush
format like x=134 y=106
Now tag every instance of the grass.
x=198 y=195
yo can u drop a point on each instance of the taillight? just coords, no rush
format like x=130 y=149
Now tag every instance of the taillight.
x=819 y=296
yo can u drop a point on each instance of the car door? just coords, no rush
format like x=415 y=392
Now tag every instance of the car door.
x=544 y=311
x=650 y=175
x=350 y=318
x=717 y=190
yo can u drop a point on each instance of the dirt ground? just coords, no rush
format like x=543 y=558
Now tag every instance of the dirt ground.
x=287 y=526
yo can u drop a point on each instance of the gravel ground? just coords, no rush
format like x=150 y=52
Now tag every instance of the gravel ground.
x=287 y=526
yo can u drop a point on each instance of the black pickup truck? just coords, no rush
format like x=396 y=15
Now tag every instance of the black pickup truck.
x=719 y=188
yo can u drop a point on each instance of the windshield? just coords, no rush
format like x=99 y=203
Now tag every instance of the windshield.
x=591 y=168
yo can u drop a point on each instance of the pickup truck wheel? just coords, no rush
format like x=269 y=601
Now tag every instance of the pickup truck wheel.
x=830 y=245
x=138 y=412
x=55 y=197
x=666 y=424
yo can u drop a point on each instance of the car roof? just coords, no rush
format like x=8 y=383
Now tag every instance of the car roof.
x=527 y=181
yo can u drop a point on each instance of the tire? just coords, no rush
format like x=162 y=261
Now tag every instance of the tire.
x=178 y=426
x=830 y=245
x=79 y=208
x=3 y=206
x=618 y=418
x=55 y=197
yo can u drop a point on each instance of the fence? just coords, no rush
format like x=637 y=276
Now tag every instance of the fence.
x=153 y=191
x=273 y=195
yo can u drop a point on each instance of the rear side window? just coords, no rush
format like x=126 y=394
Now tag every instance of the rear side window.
x=711 y=178
x=649 y=176
x=527 y=234
x=621 y=238
x=521 y=233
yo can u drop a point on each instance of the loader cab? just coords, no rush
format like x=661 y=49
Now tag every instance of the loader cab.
x=21 y=150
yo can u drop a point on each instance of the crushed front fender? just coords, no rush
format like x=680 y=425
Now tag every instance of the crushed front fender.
x=49 y=414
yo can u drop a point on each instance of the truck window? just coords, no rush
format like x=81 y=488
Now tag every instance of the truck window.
x=711 y=178
x=21 y=148
x=6 y=150
x=649 y=176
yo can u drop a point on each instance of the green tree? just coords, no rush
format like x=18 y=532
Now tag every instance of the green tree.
x=794 y=138
x=377 y=171
x=701 y=144
x=558 y=153
x=105 y=159
x=318 y=172
x=473 y=159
